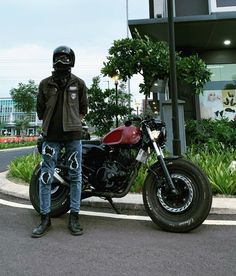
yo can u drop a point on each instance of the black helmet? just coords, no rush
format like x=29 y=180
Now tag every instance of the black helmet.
x=63 y=56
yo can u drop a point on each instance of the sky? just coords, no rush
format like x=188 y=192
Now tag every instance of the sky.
x=31 y=29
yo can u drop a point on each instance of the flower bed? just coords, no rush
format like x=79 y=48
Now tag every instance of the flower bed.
x=15 y=139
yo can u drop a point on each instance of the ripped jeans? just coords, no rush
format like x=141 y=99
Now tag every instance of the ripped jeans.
x=73 y=156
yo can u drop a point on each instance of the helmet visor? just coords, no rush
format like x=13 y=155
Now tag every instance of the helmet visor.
x=63 y=59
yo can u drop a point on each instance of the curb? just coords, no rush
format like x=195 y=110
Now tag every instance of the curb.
x=131 y=203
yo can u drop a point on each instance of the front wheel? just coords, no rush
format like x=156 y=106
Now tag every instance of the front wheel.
x=185 y=211
x=60 y=195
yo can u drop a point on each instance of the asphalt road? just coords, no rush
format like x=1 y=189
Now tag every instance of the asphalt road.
x=6 y=156
x=111 y=247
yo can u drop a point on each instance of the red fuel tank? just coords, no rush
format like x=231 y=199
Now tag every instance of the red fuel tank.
x=126 y=135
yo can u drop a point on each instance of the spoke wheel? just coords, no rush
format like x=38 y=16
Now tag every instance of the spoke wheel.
x=182 y=212
x=177 y=203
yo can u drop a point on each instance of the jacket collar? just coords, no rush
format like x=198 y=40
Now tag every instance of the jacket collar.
x=71 y=80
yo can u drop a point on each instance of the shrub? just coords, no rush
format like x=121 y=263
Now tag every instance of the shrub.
x=215 y=161
x=210 y=132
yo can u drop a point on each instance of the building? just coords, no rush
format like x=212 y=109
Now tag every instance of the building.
x=9 y=114
x=206 y=27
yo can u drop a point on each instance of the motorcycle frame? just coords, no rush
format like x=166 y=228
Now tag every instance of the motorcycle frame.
x=162 y=164
x=87 y=194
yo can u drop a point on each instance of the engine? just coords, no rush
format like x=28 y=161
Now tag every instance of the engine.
x=114 y=175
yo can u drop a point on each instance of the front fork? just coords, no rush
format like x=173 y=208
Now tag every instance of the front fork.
x=161 y=160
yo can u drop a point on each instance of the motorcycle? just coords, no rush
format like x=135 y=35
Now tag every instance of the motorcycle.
x=176 y=193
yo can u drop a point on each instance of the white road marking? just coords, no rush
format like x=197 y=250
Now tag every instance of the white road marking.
x=18 y=148
x=117 y=216
x=16 y=205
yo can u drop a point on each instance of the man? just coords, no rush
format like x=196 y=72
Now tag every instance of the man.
x=61 y=104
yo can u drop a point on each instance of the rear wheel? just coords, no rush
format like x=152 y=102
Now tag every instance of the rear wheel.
x=60 y=195
x=182 y=212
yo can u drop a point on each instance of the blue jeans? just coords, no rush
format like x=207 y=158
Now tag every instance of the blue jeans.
x=73 y=156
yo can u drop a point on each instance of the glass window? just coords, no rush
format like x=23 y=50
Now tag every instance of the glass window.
x=219 y=96
x=222 y=5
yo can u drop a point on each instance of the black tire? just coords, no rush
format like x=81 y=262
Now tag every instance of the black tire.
x=60 y=195
x=186 y=211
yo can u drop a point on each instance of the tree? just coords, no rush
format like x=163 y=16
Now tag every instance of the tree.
x=24 y=97
x=128 y=57
x=22 y=125
x=102 y=107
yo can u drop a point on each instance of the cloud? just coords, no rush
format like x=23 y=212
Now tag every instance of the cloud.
x=23 y=63
x=32 y=61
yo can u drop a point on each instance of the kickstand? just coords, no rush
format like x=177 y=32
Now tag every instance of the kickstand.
x=113 y=205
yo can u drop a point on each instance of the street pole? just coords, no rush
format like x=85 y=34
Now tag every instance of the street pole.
x=116 y=85
x=173 y=81
x=127 y=18
x=127 y=35
x=137 y=107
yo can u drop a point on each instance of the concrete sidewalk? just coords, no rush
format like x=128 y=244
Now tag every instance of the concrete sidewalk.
x=131 y=202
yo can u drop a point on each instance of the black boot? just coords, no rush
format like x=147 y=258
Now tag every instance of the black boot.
x=74 y=225
x=43 y=227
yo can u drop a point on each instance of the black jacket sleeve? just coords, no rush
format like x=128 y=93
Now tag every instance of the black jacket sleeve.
x=83 y=100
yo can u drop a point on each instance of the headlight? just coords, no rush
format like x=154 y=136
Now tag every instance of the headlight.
x=155 y=134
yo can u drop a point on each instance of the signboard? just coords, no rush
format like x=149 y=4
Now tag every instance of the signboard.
x=218 y=104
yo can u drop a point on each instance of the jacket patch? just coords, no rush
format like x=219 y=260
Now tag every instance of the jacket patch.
x=73 y=96
x=72 y=88
x=73 y=92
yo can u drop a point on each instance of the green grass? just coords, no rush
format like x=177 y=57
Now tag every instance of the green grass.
x=17 y=145
x=215 y=163
x=23 y=167
x=137 y=186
